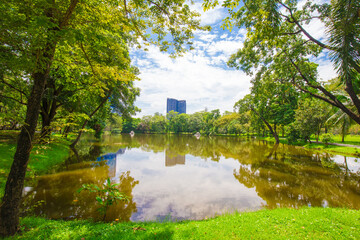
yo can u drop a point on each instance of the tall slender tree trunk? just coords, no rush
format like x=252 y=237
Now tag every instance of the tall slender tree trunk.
x=277 y=140
x=47 y=118
x=9 y=211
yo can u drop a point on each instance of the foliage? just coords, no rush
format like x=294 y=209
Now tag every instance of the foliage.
x=277 y=42
x=107 y=195
x=114 y=123
x=42 y=159
x=130 y=125
x=293 y=134
x=326 y=138
x=310 y=118
x=272 y=100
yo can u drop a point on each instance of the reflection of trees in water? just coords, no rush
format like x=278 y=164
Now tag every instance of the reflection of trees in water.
x=282 y=175
x=301 y=180
x=173 y=158
x=61 y=200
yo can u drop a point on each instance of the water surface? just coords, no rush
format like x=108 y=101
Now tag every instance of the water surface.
x=181 y=177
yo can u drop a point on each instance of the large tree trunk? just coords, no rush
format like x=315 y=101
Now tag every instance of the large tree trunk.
x=9 y=211
x=47 y=117
x=48 y=110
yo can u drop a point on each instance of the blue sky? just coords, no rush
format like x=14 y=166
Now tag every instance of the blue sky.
x=201 y=76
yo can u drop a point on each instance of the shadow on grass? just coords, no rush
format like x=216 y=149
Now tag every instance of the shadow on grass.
x=36 y=228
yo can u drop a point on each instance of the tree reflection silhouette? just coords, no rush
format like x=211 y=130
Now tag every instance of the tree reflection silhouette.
x=282 y=175
x=61 y=200
x=300 y=180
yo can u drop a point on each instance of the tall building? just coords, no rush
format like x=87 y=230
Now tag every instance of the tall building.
x=181 y=106
x=176 y=105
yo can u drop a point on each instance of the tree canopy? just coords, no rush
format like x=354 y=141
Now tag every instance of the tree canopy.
x=278 y=41
x=61 y=45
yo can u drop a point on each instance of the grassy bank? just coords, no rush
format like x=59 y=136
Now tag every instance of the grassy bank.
x=43 y=157
x=343 y=150
x=305 y=223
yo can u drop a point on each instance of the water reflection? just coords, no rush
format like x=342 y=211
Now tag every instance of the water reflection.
x=219 y=174
x=111 y=159
x=59 y=192
x=173 y=158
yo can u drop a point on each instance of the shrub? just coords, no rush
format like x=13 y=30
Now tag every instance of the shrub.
x=326 y=138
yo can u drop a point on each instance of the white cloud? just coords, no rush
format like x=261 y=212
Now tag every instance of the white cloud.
x=211 y=16
x=192 y=78
x=326 y=70
x=201 y=77
x=316 y=29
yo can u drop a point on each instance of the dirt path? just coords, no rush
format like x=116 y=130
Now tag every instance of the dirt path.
x=341 y=144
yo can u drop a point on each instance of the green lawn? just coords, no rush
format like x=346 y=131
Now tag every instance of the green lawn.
x=343 y=150
x=349 y=139
x=43 y=158
x=304 y=223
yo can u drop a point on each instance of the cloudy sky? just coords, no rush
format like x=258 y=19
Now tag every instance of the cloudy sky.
x=201 y=76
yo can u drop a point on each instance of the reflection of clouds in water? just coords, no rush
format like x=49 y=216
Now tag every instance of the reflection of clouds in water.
x=196 y=190
x=174 y=188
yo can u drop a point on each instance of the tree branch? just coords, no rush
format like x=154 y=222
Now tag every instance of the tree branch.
x=291 y=33
x=11 y=86
x=292 y=19
x=13 y=99
x=87 y=58
x=159 y=7
x=68 y=14
x=334 y=101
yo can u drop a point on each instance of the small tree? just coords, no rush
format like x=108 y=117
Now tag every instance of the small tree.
x=310 y=117
x=106 y=195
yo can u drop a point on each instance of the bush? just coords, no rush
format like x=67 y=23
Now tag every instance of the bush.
x=326 y=138
x=293 y=135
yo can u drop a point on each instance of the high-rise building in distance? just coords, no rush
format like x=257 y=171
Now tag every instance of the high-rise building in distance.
x=176 y=105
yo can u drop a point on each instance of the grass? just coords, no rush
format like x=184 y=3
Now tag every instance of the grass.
x=343 y=150
x=349 y=139
x=43 y=157
x=304 y=223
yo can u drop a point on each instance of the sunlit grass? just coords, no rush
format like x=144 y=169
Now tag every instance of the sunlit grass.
x=305 y=223
x=43 y=158
x=343 y=150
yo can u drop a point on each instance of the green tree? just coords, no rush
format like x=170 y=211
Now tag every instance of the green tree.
x=114 y=124
x=278 y=40
x=158 y=123
x=272 y=99
x=223 y=123
x=33 y=33
x=130 y=124
x=195 y=122
x=310 y=117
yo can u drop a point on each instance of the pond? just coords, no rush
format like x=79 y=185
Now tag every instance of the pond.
x=182 y=177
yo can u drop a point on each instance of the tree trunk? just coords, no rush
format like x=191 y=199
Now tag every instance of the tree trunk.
x=9 y=211
x=45 y=128
x=48 y=112
x=269 y=126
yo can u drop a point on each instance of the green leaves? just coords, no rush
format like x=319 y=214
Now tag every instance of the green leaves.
x=107 y=195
